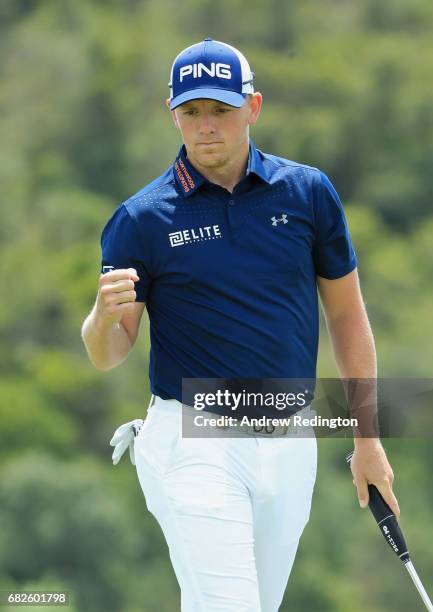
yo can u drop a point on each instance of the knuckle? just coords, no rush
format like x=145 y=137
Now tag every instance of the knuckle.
x=128 y=296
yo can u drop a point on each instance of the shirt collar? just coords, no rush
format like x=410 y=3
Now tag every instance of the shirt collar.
x=255 y=164
x=189 y=179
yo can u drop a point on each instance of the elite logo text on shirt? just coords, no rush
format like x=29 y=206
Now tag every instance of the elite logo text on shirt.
x=198 y=234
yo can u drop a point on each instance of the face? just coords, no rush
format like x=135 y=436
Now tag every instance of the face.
x=216 y=134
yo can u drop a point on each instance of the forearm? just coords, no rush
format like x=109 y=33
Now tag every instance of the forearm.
x=353 y=345
x=107 y=344
x=355 y=355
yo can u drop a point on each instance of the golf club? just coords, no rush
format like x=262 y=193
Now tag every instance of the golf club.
x=393 y=534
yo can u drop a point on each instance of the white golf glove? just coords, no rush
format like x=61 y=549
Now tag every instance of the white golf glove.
x=124 y=437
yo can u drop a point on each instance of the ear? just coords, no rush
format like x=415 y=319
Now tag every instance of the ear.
x=255 y=104
x=173 y=114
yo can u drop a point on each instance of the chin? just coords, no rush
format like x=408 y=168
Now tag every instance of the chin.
x=212 y=163
x=212 y=160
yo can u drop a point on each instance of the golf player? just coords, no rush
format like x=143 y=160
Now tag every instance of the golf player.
x=229 y=250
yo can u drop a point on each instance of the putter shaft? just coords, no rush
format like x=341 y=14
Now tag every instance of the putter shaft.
x=417 y=582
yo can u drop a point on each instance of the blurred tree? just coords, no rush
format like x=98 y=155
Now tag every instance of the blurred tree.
x=77 y=529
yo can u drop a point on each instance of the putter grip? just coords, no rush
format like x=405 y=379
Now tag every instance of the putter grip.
x=386 y=521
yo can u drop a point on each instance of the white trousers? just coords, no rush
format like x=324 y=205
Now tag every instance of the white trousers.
x=232 y=510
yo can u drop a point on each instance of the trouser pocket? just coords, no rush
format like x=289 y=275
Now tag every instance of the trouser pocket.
x=156 y=442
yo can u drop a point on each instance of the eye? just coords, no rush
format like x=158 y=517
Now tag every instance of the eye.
x=222 y=110
x=188 y=112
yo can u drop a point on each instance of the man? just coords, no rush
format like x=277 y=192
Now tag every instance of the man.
x=228 y=249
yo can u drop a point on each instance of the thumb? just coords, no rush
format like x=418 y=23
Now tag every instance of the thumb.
x=134 y=274
x=363 y=496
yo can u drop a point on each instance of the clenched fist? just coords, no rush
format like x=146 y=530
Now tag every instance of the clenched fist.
x=116 y=295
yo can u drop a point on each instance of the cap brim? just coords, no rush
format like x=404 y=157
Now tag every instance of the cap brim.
x=221 y=95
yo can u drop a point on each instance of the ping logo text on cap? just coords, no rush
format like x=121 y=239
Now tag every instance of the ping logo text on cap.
x=221 y=71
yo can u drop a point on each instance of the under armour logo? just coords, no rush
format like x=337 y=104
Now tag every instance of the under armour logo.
x=275 y=221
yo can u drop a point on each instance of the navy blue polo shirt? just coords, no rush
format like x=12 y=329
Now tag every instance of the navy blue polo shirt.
x=229 y=279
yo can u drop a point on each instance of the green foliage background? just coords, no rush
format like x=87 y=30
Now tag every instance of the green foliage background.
x=347 y=87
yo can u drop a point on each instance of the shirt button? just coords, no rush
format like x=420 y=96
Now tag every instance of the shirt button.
x=231 y=202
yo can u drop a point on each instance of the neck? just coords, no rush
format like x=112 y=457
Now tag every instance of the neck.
x=228 y=174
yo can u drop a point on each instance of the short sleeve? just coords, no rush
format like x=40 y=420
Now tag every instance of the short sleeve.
x=333 y=252
x=122 y=247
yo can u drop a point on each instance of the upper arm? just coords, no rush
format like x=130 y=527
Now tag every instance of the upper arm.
x=333 y=252
x=131 y=321
x=340 y=296
x=124 y=246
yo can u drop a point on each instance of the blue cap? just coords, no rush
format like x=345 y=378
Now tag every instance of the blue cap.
x=211 y=70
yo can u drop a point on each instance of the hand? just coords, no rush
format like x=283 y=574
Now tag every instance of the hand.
x=370 y=465
x=116 y=295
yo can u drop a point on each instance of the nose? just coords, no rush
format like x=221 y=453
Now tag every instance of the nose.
x=207 y=125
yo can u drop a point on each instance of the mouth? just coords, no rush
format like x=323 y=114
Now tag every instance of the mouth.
x=208 y=144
